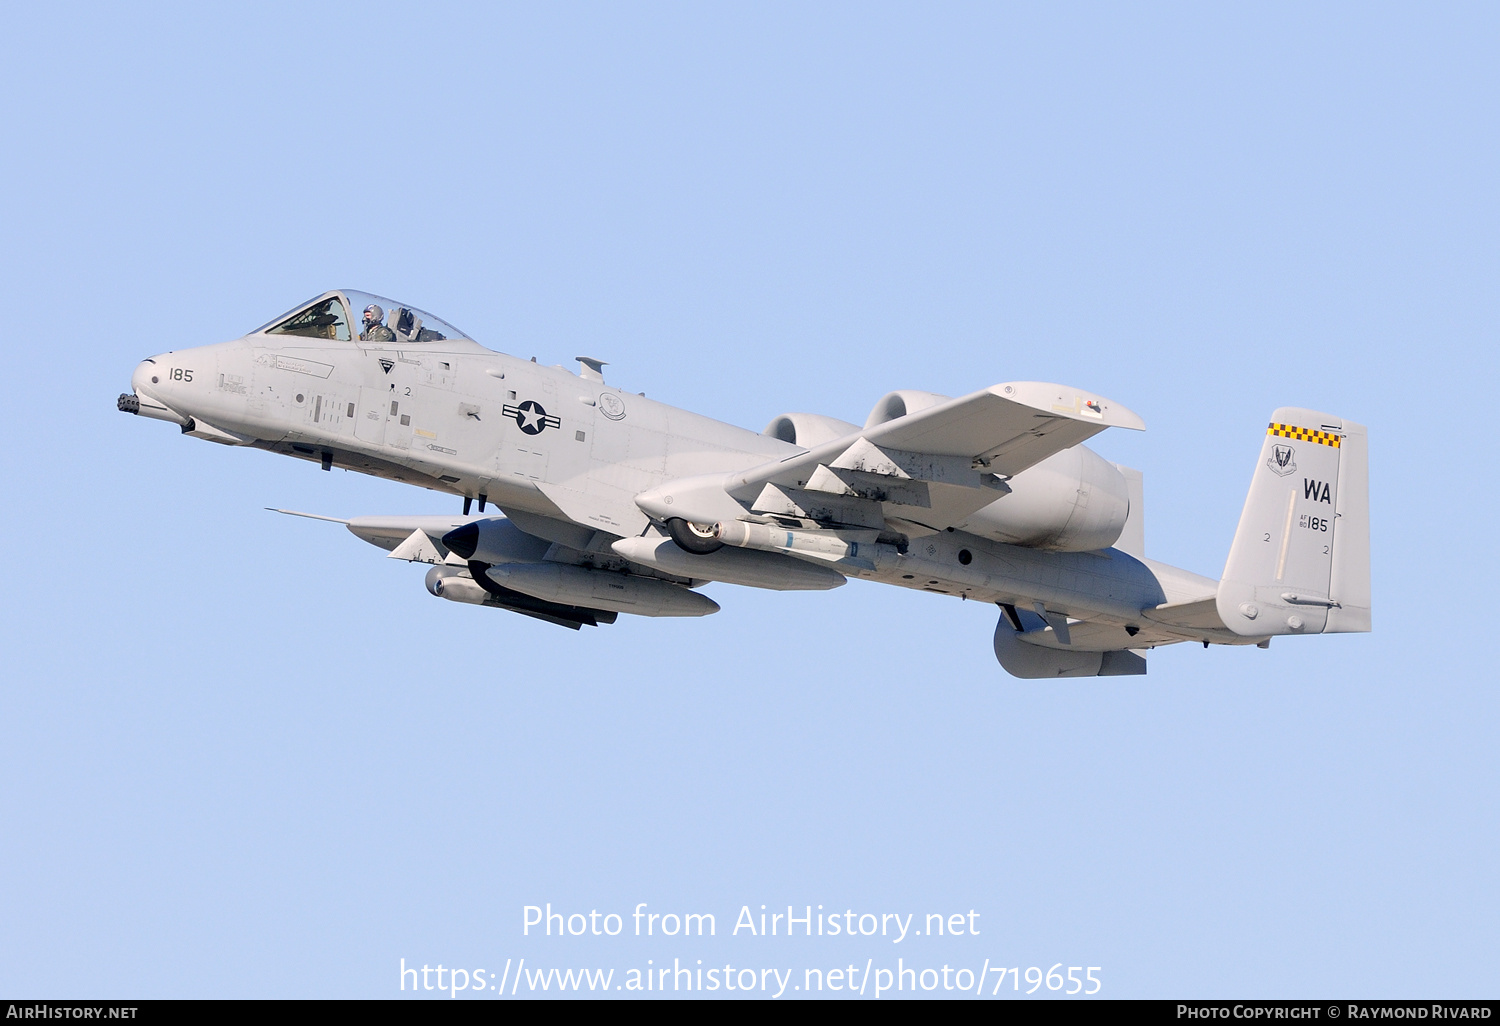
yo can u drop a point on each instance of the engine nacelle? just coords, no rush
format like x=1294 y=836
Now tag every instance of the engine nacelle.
x=808 y=430
x=900 y=403
x=1073 y=501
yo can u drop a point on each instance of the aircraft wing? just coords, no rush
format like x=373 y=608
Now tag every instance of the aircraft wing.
x=931 y=468
x=1007 y=427
x=415 y=539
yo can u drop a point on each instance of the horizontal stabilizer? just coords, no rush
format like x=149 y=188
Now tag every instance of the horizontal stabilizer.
x=1202 y=615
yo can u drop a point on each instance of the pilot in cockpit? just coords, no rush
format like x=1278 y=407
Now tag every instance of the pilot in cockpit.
x=375 y=329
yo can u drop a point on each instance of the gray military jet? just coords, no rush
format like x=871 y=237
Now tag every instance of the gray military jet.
x=616 y=504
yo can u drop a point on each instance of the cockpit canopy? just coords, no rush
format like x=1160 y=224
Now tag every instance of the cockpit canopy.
x=344 y=315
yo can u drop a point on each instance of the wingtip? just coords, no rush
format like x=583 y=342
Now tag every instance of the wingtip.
x=1074 y=403
x=310 y=516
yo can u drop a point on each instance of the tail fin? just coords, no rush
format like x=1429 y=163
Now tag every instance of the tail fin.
x=1132 y=540
x=1300 y=562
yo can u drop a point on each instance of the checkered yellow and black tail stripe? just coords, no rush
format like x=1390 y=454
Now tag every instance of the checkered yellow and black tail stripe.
x=1304 y=434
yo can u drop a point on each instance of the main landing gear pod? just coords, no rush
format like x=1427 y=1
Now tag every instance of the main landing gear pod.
x=699 y=539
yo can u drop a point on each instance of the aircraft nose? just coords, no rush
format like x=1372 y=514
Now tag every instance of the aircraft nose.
x=146 y=375
x=151 y=394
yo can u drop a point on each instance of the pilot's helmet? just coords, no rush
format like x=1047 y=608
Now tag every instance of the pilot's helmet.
x=373 y=314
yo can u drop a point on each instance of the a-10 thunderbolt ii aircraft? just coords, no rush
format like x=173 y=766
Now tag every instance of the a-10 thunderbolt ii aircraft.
x=615 y=504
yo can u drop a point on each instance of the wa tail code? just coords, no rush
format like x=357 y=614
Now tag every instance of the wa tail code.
x=1317 y=491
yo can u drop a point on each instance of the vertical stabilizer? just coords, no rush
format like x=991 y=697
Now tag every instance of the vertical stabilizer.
x=1132 y=540
x=1300 y=562
x=1350 y=589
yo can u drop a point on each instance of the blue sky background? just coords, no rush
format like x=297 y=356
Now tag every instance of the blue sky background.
x=246 y=755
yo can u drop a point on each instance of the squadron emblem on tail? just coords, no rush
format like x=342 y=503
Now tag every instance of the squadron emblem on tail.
x=1281 y=461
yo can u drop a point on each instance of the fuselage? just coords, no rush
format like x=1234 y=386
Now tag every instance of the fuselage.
x=453 y=416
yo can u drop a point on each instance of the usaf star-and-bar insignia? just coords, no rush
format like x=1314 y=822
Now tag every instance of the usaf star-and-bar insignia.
x=531 y=418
